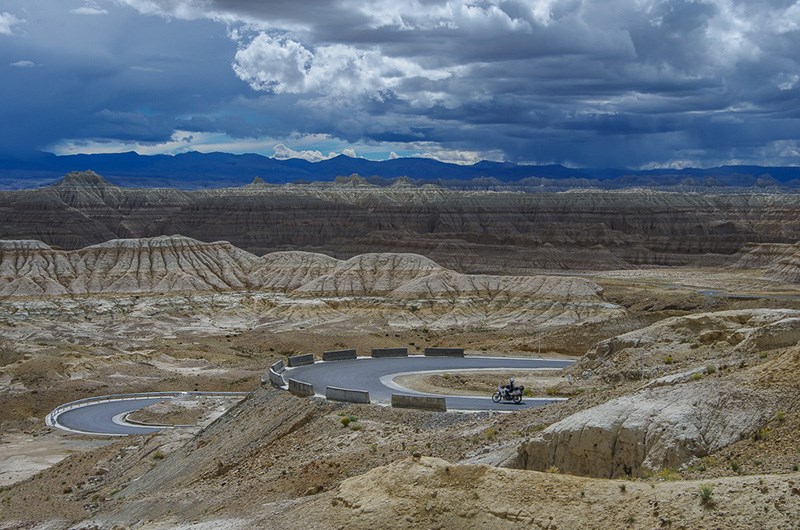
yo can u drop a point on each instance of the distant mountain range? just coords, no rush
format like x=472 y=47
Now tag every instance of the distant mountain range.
x=202 y=170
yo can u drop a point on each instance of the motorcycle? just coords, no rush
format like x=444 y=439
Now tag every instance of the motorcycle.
x=504 y=394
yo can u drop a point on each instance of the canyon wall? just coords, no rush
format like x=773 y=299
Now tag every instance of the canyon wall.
x=469 y=231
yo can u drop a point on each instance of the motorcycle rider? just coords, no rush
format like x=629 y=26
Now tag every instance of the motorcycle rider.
x=509 y=392
x=510 y=386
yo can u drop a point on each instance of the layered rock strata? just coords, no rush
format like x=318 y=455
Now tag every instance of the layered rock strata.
x=649 y=430
x=724 y=393
x=780 y=261
x=470 y=231
x=728 y=336
x=293 y=288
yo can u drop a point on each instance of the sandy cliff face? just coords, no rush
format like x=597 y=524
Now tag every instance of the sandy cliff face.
x=724 y=336
x=713 y=396
x=181 y=264
x=471 y=231
x=433 y=493
x=295 y=288
x=157 y=265
x=780 y=261
x=650 y=430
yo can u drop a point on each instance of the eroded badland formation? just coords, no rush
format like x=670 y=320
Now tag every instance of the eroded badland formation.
x=681 y=310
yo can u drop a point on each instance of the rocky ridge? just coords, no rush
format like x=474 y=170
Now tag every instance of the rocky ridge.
x=282 y=289
x=180 y=264
x=652 y=429
x=469 y=231
x=433 y=493
x=777 y=260
x=726 y=337
x=702 y=405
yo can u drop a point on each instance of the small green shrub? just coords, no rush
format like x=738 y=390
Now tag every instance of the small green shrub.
x=355 y=426
x=780 y=416
x=706 y=492
x=158 y=455
x=623 y=488
x=490 y=434
x=762 y=435
x=347 y=420
x=668 y=474
x=735 y=467
x=762 y=355
x=710 y=369
x=696 y=376
x=668 y=359
x=553 y=469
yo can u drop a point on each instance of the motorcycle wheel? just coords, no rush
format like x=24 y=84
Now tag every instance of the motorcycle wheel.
x=496 y=397
x=517 y=399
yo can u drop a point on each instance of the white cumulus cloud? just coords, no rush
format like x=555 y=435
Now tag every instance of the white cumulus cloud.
x=279 y=64
x=587 y=82
x=282 y=152
x=89 y=8
x=455 y=156
x=177 y=8
x=89 y=11
x=8 y=22
x=23 y=64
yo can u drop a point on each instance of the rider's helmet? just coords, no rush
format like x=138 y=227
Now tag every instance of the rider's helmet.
x=511 y=381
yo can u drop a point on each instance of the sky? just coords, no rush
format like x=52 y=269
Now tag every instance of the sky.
x=584 y=83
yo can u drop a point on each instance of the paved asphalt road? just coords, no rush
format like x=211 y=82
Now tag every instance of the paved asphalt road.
x=366 y=373
x=98 y=418
x=375 y=376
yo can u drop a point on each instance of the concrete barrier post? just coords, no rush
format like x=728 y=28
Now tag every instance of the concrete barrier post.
x=389 y=352
x=299 y=388
x=278 y=367
x=405 y=401
x=444 y=352
x=300 y=360
x=338 y=355
x=345 y=394
x=276 y=378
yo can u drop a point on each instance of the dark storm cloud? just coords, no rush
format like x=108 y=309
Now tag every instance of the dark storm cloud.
x=111 y=75
x=584 y=82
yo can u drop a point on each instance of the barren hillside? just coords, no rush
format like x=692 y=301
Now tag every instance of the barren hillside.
x=282 y=289
x=470 y=231
x=682 y=408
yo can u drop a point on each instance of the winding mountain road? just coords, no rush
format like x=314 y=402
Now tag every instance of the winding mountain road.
x=377 y=376
x=106 y=416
